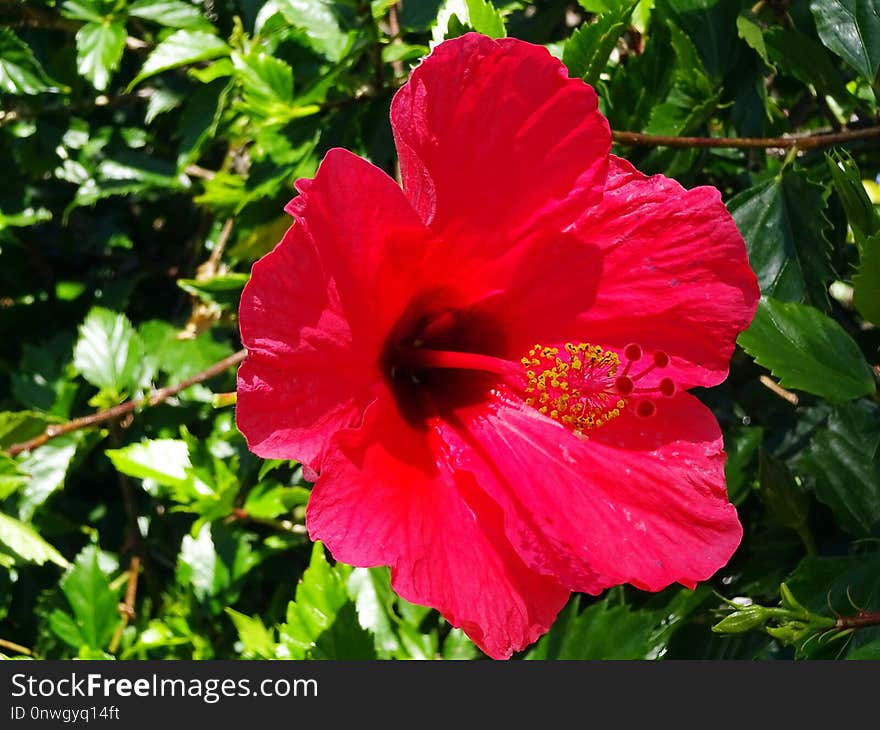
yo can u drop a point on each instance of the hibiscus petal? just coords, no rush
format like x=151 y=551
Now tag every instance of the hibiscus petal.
x=371 y=242
x=641 y=501
x=675 y=275
x=388 y=496
x=316 y=308
x=497 y=145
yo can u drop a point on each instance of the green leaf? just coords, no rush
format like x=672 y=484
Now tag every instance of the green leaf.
x=64 y=626
x=711 y=25
x=161 y=101
x=99 y=48
x=88 y=10
x=163 y=460
x=798 y=55
x=868 y=650
x=843 y=586
x=267 y=88
x=608 y=631
x=753 y=35
x=201 y=117
x=403 y=52
x=27 y=217
x=264 y=78
x=784 y=225
x=44 y=378
x=851 y=29
x=394 y=622
x=20 y=72
x=223 y=289
x=271 y=500
x=485 y=18
x=93 y=601
x=457 y=646
x=108 y=352
x=47 y=470
x=170 y=13
x=320 y=19
x=866 y=282
x=860 y=212
x=214 y=562
x=740 y=444
x=11 y=477
x=258 y=642
x=322 y=623
x=692 y=98
x=843 y=462
x=864 y=221
x=806 y=350
x=26 y=543
x=180 y=358
x=181 y=49
x=586 y=52
x=129 y=173
x=785 y=500
x=370 y=589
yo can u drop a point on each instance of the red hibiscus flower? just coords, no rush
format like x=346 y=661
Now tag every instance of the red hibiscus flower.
x=488 y=369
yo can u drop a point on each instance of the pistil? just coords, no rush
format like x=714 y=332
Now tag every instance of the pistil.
x=422 y=358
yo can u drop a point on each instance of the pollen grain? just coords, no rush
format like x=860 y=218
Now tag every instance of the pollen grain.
x=574 y=385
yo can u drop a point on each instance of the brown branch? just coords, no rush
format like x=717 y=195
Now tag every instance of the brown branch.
x=111 y=414
x=210 y=267
x=126 y=609
x=394 y=32
x=240 y=515
x=18 y=648
x=803 y=142
x=772 y=385
x=862 y=620
x=200 y=172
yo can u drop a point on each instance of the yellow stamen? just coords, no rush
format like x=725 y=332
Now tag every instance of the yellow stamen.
x=575 y=388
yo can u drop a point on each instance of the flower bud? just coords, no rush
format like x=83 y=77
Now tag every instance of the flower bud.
x=745 y=619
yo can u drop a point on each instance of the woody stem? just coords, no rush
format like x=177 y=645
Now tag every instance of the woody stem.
x=861 y=620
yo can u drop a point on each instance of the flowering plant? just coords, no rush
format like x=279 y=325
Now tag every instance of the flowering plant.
x=489 y=357
x=487 y=369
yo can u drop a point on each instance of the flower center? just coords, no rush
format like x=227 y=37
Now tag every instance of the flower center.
x=584 y=386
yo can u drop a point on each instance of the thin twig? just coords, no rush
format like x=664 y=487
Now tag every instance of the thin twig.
x=204 y=313
x=126 y=610
x=861 y=620
x=803 y=142
x=772 y=385
x=200 y=172
x=209 y=268
x=18 y=648
x=111 y=414
x=294 y=528
x=394 y=32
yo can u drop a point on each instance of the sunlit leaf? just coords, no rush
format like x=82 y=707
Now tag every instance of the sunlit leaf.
x=108 y=351
x=181 y=49
x=99 y=51
x=26 y=543
x=20 y=72
x=807 y=350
